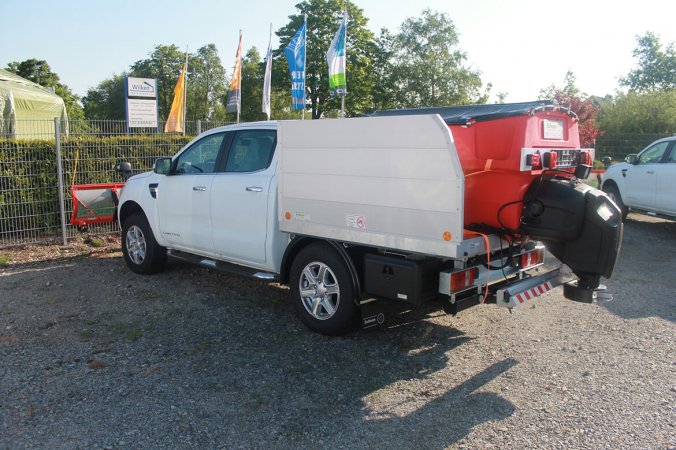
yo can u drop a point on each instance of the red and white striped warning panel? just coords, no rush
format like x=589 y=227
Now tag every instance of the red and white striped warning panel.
x=533 y=292
x=523 y=290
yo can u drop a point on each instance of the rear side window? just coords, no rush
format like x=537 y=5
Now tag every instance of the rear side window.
x=672 y=154
x=251 y=151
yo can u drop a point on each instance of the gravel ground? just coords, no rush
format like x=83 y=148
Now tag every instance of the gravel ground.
x=93 y=356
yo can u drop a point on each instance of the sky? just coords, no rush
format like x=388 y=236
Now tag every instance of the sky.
x=520 y=46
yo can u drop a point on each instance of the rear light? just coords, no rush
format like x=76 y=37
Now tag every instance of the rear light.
x=532 y=258
x=550 y=160
x=586 y=158
x=463 y=279
x=534 y=161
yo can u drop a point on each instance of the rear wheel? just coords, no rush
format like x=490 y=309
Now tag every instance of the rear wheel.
x=141 y=251
x=614 y=194
x=322 y=290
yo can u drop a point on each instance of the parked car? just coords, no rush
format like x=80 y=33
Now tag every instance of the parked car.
x=645 y=182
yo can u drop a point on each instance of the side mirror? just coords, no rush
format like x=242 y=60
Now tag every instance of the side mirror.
x=162 y=166
x=124 y=168
x=606 y=160
x=632 y=159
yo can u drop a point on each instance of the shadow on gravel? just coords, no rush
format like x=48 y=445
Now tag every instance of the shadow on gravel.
x=196 y=359
x=449 y=418
x=643 y=284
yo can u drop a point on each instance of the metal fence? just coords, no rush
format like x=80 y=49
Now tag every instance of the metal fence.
x=39 y=165
x=619 y=145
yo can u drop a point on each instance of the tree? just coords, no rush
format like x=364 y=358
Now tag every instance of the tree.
x=385 y=71
x=252 y=86
x=581 y=104
x=429 y=67
x=323 y=20
x=206 y=85
x=38 y=71
x=106 y=101
x=164 y=64
x=656 y=67
x=651 y=112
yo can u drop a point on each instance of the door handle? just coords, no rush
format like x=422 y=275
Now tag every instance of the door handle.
x=254 y=189
x=651 y=172
x=199 y=188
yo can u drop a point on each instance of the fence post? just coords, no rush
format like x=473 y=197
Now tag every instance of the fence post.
x=59 y=171
x=199 y=127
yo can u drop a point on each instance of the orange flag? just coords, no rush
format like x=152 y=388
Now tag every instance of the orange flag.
x=175 y=121
x=233 y=103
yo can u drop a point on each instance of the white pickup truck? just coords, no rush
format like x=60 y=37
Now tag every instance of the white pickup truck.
x=645 y=182
x=355 y=212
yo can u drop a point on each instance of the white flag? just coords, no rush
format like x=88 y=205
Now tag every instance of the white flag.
x=267 y=81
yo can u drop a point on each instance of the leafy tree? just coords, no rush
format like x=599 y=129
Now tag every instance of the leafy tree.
x=38 y=71
x=164 y=64
x=324 y=17
x=651 y=112
x=206 y=85
x=253 y=71
x=584 y=106
x=385 y=71
x=656 y=67
x=429 y=67
x=106 y=101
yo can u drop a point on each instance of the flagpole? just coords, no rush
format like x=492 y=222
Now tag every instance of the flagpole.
x=269 y=111
x=185 y=88
x=304 y=66
x=239 y=104
x=342 y=99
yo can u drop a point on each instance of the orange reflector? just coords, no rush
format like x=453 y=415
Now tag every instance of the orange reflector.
x=532 y=258
x=551 y=159
x=463 y=279
x=287 y=215
x=585 y=158
x=447 y=235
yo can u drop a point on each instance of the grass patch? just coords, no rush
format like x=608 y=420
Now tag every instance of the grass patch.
x=86 y=335
x=4 y=260
x=96 y=242
x=129 y=332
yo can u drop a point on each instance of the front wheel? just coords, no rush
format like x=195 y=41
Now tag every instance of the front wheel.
x=322 y=290
x=141 y=251
x=614 y=195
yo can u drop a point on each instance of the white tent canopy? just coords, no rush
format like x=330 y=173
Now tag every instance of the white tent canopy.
x=27 y=110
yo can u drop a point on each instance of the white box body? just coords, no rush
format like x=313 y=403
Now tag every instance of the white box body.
x=389 y=182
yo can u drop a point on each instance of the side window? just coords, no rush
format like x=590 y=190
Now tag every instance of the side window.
x=653 y=155
x=672 y=155
x=251 y=151
x=201 y=156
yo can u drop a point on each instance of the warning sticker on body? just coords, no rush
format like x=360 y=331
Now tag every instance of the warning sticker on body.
x=355 y=221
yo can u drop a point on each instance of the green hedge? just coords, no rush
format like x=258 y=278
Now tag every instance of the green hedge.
x=28 y=172
x=619 y=145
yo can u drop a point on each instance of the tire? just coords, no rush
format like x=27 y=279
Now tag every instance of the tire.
x=141 y=251
x=322 y=290
x=615 y=196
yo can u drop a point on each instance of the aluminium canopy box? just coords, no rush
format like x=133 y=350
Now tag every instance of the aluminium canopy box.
x=389 y=182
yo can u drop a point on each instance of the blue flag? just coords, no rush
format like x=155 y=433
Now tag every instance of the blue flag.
x=295 y=56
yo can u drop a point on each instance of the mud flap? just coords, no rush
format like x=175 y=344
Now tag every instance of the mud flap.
x=372 y=313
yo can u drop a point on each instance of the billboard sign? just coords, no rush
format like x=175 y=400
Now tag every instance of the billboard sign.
x=141 y=87
x=141 y=101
